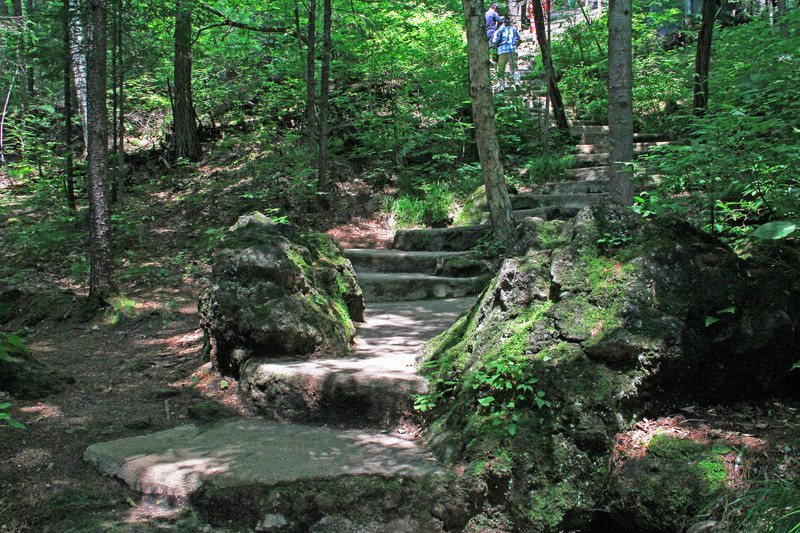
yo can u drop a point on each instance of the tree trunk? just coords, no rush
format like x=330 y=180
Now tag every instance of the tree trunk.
x=23 y=71
x=310 y=77
x=187 y=139
x=100 y=280
x=702 y=63
x=121 y=110
x=114 y=102
x=782 y=13
x=620 y=102
x=552 y=87
x=480 y=90
x=30 y=31
x=324 y=91
x=68 y=179
x=79 y=65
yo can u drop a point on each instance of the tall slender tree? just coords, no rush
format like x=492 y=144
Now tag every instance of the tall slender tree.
x=79 y=63
x=311 y=101
x=552 y=86
x=69 y=181
x=21 y=63
x=480 y=90
x=186 y=137
x=324 y=91
x=101 y=275
x=620 y=101
x=702 y=64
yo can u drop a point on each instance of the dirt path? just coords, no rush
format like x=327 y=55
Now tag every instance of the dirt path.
x=144 y=375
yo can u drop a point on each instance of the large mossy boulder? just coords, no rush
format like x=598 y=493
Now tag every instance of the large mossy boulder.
x=606 y=319
x=277 y=293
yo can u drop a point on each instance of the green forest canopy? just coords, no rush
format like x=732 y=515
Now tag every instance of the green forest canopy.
x=399 y=109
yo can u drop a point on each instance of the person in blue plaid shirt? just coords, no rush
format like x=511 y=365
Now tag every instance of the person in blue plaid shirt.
x=505 y=40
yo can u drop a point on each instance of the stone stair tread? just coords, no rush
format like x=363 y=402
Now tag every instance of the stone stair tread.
x=379 y=377
x=591 y=159
x=410 y=286
x=453 y=238
x=555 y=196
x=372 y=260
x=586 y=174
x=575 y=187
x=238 y=452
x=547 y=213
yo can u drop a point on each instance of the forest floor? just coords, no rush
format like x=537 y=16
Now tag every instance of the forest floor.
x=146 y=373
x=134 y=373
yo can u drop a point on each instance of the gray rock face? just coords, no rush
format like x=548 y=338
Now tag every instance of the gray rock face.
x=612 y=318
x=275 y=294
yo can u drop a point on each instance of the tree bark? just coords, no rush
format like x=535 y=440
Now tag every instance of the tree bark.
x=324 y=91
x=186 y=137
x=121 y=97
x=100 y=280
x=69 y=180
x=782 y=13
x=114 y=102
x=311 y=42
x=79 y=65
x=30 y=31
x=620 y=102
x=16 y=5
x=480 y=90
x=552 y=87
x=702 y=63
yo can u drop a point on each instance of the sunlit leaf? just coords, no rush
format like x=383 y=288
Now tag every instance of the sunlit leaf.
x=776 y=230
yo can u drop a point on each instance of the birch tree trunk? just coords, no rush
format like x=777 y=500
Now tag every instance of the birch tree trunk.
x=16 y=5
x=100 y=278
x=69 y=181
x=620 y=102
x=480 y=90
x=79 y=65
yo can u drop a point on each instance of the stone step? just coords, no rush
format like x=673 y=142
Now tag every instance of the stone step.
x=585 y=174
x=452 y=239
x=371 y=260
x=591 y=159
x=575 y=187
x=602 y=147
x=531 y=200
x=547 y=213
x=275 y=473
x=373 y=387
x=381 y=287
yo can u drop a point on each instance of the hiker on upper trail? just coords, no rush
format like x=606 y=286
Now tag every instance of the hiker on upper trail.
x=506 y=39
x=492 y=18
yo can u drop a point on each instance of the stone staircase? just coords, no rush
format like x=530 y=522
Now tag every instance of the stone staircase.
x=408 y=275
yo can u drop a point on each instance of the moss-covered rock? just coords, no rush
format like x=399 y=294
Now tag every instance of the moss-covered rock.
x=277 y=293
x=609 y=319
x=668 y=484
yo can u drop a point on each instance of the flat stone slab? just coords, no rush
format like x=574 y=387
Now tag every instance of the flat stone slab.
x=237 y=452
